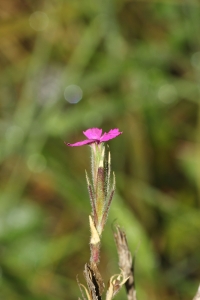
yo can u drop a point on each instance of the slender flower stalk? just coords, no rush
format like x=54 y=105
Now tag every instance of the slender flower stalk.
x=101 y=190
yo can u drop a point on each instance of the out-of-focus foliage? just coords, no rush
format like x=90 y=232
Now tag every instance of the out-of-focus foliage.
x=70 y=65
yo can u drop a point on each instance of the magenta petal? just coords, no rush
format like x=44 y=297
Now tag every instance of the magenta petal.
x=110 y=135
x=93 y=133
x=82 y=143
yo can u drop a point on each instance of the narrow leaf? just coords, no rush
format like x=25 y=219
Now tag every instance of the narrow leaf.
x=92 y=198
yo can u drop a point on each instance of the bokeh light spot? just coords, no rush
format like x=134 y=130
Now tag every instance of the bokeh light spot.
x=195 y=60
x=38 y=20
x=73 y=94
x=167 y=93
x=20 y=217
x=36 y=163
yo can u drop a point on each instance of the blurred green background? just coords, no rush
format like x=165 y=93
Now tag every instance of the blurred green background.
x=70 y=65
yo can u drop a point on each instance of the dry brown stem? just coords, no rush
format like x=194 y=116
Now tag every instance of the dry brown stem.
x=126 y=262
x=94 y=281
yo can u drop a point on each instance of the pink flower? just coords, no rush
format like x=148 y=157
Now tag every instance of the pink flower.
x=94 y=135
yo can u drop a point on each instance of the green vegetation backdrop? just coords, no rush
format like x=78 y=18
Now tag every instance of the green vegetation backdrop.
x=70 y=65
